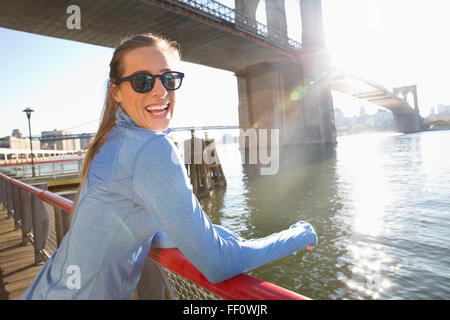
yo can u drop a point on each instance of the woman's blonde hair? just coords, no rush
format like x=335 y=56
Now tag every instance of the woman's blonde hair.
x=108 y=118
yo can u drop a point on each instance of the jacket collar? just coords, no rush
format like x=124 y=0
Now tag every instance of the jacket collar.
x=122 y=119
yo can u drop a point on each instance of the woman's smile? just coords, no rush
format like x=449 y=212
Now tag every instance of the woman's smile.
x=158 y=111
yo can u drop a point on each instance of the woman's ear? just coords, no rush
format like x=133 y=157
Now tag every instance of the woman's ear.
x=115 y=92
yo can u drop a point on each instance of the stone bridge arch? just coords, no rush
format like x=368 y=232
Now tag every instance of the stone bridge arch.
x=406 y=91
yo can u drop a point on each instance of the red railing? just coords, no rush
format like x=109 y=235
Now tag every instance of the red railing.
x=240 y=287
x=39 y=162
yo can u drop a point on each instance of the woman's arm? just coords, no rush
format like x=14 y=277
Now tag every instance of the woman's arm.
x=161 y=184
x=161 y=240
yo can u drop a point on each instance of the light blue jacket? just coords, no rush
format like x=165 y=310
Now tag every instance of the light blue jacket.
x=137 y=193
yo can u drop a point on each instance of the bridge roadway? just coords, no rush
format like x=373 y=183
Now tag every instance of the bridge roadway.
x=406 y=117
x=206 y=31
x=370 y=91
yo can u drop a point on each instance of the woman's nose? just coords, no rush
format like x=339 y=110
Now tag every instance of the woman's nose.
x=158 y=89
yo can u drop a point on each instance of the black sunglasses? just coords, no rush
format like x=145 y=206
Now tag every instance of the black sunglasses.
x=144 y=82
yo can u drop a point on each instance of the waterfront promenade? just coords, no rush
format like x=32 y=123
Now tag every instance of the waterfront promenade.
x=17 y=267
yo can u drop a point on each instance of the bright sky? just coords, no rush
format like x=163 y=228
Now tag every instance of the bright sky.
x=393 y=42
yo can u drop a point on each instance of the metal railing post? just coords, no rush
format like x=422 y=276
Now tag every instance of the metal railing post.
x=16 y=207
x=27 y=220
x=3 y=193
x=66 y=217
x=7 y=199
x=10 y=200
x=41 y=224
x=59 y=230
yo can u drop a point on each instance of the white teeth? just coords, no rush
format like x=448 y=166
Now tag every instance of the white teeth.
x=160 y=107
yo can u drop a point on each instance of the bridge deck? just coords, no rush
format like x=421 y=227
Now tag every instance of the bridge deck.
x=370 y=91
x=17 y=267
x=204 y=38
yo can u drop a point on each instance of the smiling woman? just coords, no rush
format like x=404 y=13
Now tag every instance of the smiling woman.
x=149 y=111
x=134 y=53
x=135 y=193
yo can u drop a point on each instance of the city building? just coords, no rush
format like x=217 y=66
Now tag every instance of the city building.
x=16 y=141
x=443 y=109
x=432 y=112
x=384 y=119
x=381 y=120
x=439 y=112
x=68 y=144
x=16 y=133
x=85 y=140
x=341 y=122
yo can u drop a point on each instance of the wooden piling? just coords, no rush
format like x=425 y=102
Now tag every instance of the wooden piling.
x=204 y=175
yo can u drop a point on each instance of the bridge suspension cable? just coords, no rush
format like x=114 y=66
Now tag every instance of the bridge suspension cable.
x=81 y=125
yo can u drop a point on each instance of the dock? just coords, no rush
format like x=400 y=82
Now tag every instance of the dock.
x=17 y=261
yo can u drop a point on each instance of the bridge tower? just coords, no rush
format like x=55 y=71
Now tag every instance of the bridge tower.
x=292 y=96
x=408 y=122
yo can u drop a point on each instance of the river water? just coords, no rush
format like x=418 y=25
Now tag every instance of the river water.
x=380 y=204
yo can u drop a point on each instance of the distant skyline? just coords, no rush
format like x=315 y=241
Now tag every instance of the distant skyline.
x=394 y=43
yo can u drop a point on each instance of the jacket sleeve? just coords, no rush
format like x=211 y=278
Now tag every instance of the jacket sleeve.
x=160 y=184
x=161 y=240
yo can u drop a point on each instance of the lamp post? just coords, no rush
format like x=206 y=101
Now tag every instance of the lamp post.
x=28 y=111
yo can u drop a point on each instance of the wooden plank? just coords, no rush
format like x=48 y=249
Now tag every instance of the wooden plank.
x=17 y=267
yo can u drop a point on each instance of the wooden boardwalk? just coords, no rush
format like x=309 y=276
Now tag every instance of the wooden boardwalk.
x=17 y=267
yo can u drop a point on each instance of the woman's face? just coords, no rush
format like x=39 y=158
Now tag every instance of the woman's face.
x=136 y=105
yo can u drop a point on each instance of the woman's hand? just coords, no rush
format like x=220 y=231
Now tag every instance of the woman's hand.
x=309 y=227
